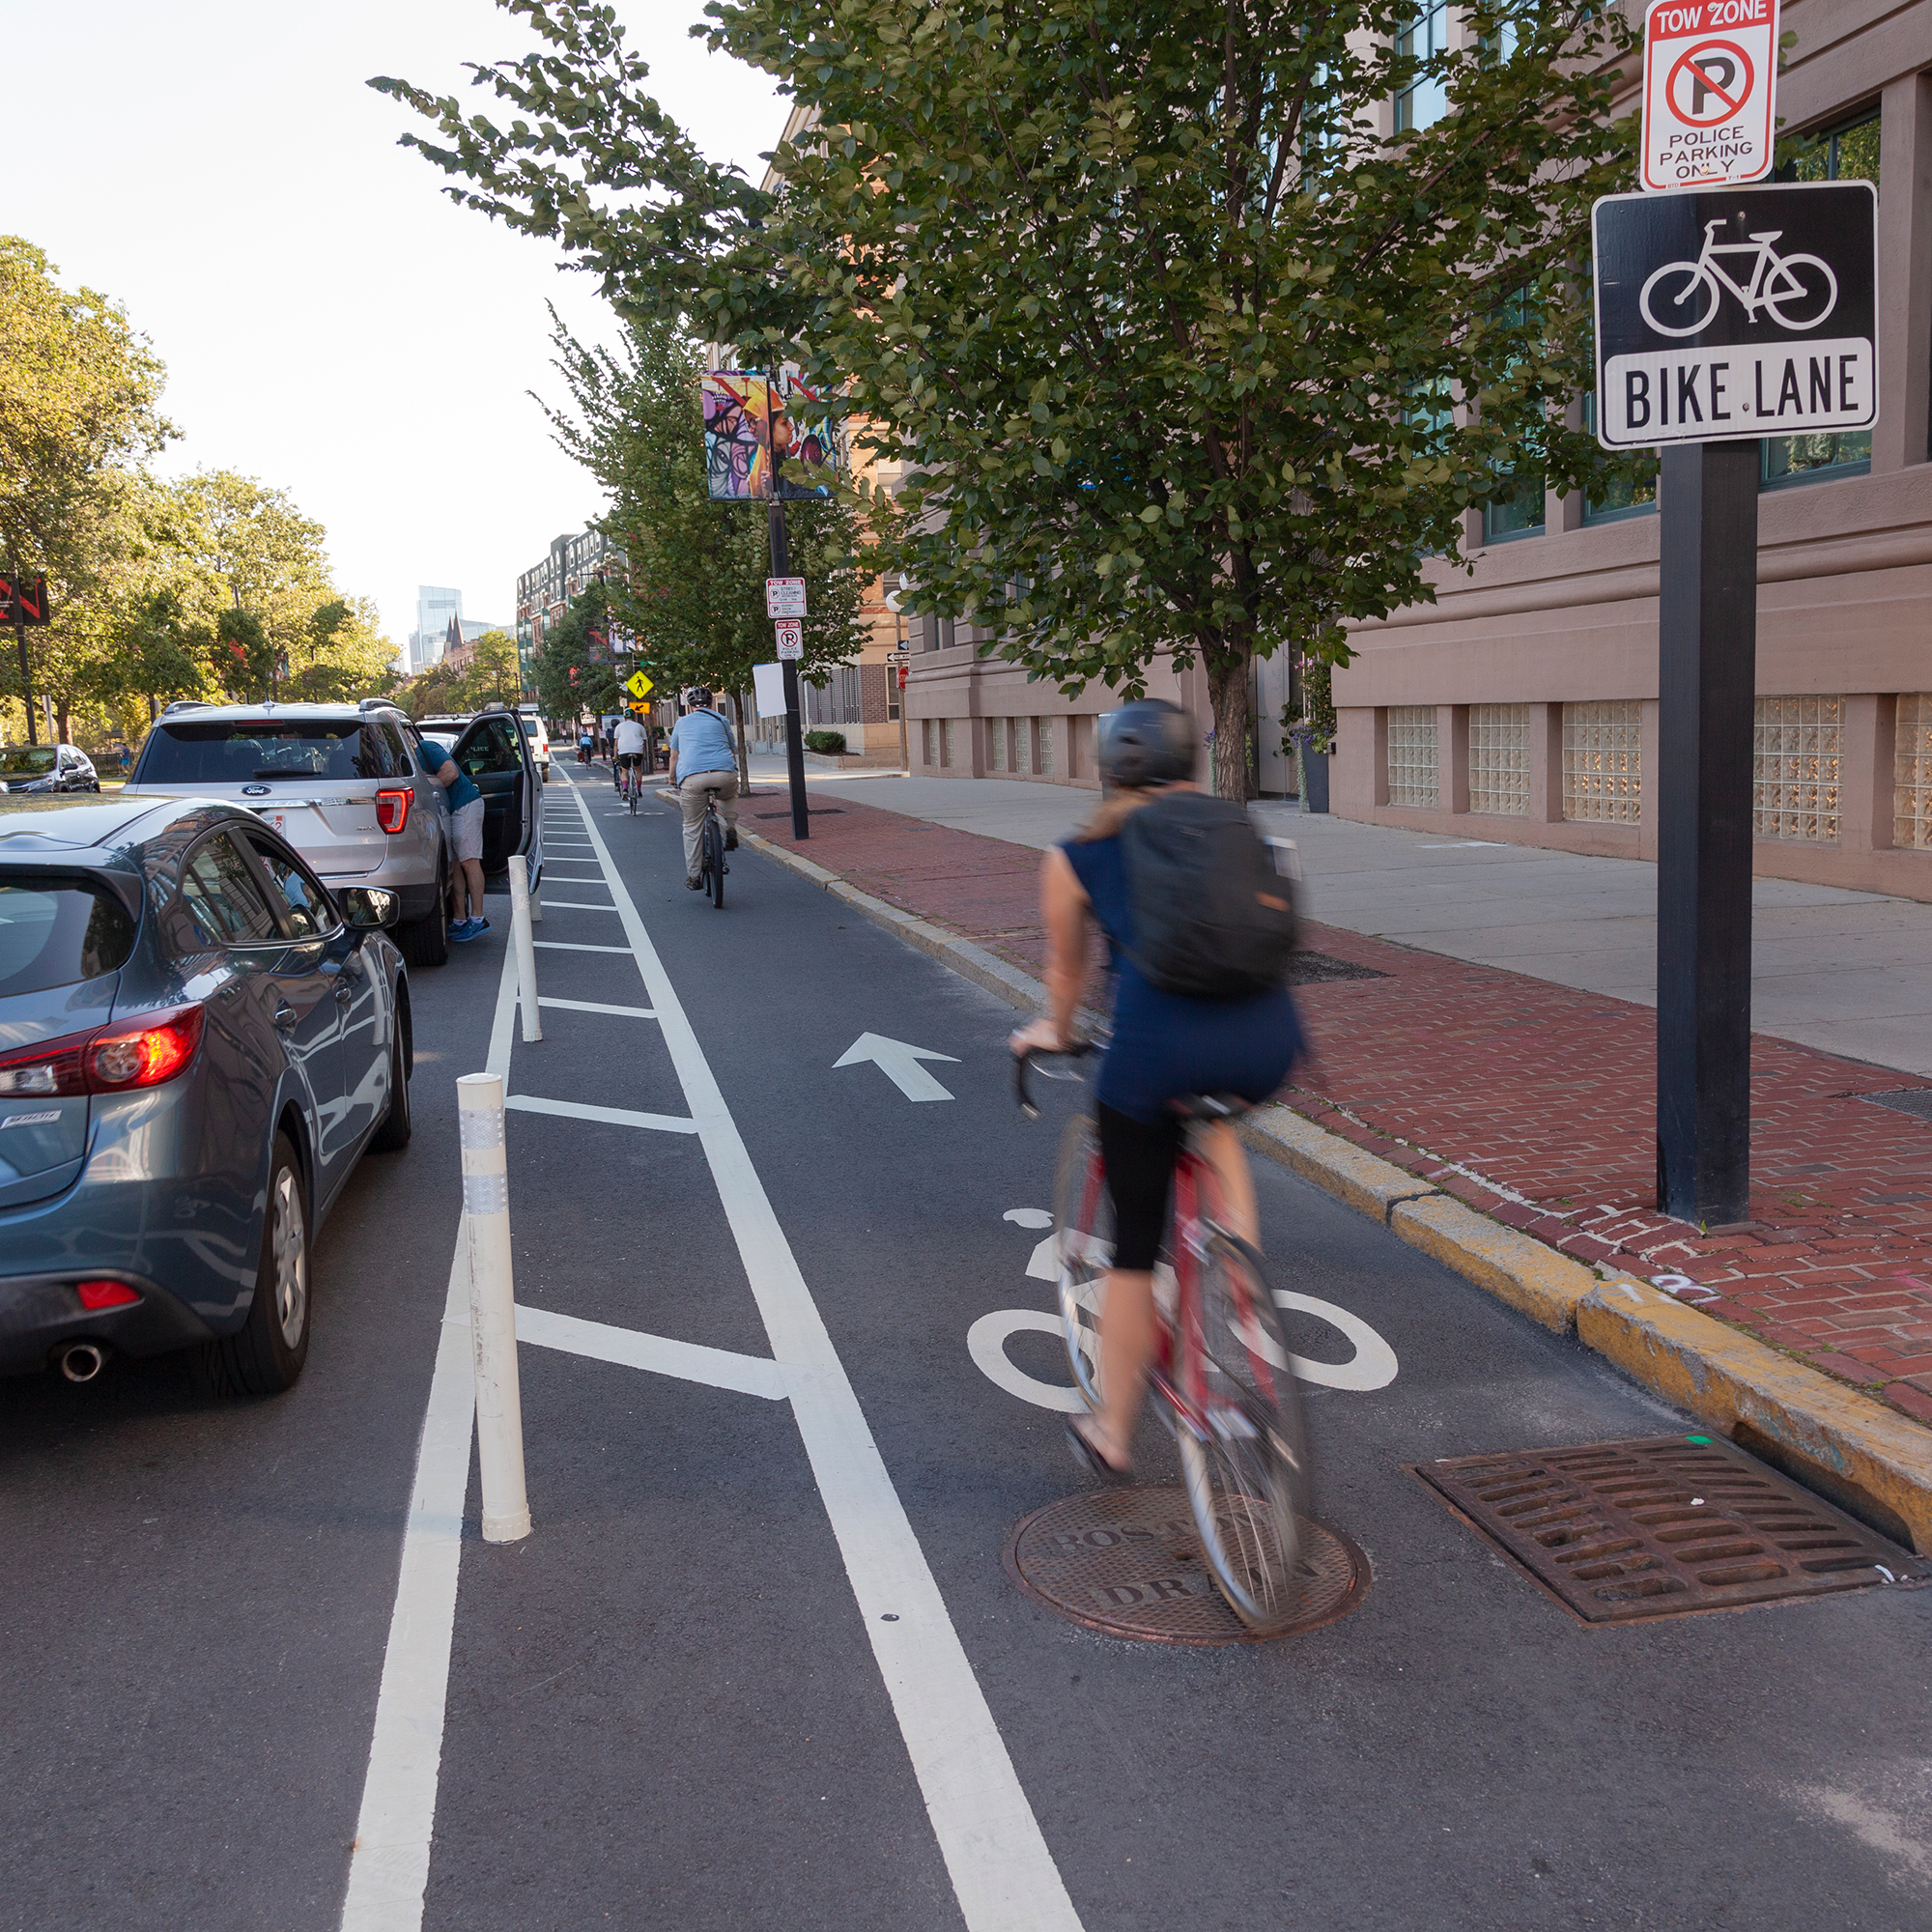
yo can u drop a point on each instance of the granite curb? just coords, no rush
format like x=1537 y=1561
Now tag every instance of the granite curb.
x=1863 y=1455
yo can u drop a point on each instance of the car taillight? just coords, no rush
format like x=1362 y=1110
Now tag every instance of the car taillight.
x=393 y=810
x=96 y=1296
x=52 y=1069
x=123 y=1058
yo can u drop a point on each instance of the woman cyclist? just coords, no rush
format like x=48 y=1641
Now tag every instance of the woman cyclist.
x=1164 y=1047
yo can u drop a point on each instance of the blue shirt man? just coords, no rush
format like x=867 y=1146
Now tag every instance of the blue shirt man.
x=702 y=742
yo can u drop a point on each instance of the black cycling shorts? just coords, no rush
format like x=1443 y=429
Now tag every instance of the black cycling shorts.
x=1138 y=1158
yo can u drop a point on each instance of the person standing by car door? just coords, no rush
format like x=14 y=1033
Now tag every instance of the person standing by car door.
x=466 y=830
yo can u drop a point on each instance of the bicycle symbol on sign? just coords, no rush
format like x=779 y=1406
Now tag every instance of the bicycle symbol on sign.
x=1785 y=285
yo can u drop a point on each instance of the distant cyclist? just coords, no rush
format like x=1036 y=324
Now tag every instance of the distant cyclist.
x=630 y=752
x=1164 y=1047
x=703 y=761
x=586 y=740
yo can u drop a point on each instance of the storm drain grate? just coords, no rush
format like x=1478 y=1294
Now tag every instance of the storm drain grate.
x=811 y=811
x=1664 y=1525
x=1306 y=969
x=1128 y=1562
x=1914 y=1101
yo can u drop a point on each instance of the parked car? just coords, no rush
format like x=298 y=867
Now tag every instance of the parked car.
x=198 y=1042
x=46 y=768
x=535 y=731
x=342 y=783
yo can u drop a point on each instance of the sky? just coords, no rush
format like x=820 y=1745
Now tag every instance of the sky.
x=330 y=323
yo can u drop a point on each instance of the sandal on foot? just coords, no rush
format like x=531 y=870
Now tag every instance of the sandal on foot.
x=1092 y=1462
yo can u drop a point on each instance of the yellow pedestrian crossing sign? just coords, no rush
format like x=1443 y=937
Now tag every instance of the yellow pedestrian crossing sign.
x=639 y=685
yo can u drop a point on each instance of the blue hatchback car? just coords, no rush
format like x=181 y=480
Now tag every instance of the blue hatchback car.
x=197 y=1043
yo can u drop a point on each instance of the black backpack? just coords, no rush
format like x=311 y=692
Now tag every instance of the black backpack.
x=1212 y=918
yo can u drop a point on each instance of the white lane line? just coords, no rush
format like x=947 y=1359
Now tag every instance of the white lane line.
x=1001 y=1871
x=574 y=905
x=611 y=1116
x=388 y=1864
x=565 y=945
x=629 y=1347
x=625 y=1013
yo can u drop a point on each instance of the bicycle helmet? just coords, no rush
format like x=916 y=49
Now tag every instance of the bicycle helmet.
x=699 y=697
x=1148 y=742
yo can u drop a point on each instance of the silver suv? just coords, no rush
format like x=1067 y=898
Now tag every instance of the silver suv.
x=341 y=783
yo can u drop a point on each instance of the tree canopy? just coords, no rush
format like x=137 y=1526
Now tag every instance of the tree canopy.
x=1199 y=328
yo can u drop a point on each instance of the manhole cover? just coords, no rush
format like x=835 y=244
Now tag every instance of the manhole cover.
x=1664 y=1525
x=1914 y=1101
x=1128 y=1562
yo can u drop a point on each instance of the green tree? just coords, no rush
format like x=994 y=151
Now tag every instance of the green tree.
x=78 y=390
x=1184 y=357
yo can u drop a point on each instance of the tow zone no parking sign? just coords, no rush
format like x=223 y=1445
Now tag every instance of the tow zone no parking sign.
x=1710 y=86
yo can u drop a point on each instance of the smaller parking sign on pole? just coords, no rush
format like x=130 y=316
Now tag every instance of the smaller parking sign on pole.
x=791 y=638
x=1710 y=88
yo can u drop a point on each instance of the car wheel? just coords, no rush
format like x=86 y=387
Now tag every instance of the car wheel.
x=394 y=1132
x=265 y=1356
x=425 y=941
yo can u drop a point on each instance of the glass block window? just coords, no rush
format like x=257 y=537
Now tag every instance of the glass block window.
x=1042 y=739
x=1499 y=759
x=1912 y=773
x=928 y=752
x=1023 y=737
x=1794 y=768
x=1602 y=762
x=996 y=744
x=949 y=741
x=1411 y=756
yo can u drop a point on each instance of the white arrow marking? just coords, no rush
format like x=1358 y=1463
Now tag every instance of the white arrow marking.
x=900 y=1064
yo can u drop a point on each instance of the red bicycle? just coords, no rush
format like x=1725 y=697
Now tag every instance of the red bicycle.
x=1220 y=1373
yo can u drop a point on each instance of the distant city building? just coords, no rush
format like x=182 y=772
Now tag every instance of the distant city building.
x=459 y=640
x=435 y=608
x=544 y=591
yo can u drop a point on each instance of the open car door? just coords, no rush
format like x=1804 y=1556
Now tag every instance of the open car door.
x=501 y=761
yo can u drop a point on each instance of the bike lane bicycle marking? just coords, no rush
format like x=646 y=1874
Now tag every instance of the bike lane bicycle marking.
x=1003 y=1877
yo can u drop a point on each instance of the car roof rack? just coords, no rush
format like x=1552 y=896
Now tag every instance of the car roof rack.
x=185 y=704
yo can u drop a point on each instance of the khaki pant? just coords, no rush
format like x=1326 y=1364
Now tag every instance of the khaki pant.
x=691 y=795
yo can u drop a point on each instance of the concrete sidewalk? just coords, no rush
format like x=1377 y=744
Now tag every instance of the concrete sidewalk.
x=1847 y=972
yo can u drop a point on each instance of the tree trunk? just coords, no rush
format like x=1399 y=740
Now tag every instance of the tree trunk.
x=1227 y=682
x=62 y=712
x=744 y=750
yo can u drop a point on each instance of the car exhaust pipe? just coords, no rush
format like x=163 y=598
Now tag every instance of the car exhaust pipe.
x=82 y=1361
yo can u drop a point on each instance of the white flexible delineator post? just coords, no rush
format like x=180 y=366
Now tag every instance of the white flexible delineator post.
x=525 y=942
x=492 y=1313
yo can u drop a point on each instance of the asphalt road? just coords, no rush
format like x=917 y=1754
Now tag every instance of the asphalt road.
x=668 y=1707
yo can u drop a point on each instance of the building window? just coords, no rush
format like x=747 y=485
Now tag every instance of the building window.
x=1618 y=500
x=1912 y=773
x=1023 y=743
x=1518 y=516
x=893 y=699
x=1602 y=762
x=1849 y=151
x=1411 y=756
x=926 y=755
x=996 y=744
x=1499 y=759
x=1043 y=744
x=1426 y=102
x=949 y=741
x=1794 y=768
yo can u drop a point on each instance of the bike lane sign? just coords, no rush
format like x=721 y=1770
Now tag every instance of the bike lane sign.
x=1741 y=313
x=1710 y=88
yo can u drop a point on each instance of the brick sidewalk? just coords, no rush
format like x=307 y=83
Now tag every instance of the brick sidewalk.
x=1537 y=1104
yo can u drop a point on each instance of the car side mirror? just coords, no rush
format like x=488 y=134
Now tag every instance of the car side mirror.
x=367 y=907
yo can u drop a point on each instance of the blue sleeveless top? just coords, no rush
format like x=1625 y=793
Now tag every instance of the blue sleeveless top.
x=1166 y=1045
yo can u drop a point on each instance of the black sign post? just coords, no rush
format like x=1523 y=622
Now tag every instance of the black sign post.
x=1721 y=317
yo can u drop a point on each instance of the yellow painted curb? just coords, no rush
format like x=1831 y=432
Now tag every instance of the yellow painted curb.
x=1359 y=1179
x=1513 y=1267
x=1840 y=1442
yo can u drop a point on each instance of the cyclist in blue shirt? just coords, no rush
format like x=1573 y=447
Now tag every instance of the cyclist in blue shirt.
x=703 y=760
x=466 y=828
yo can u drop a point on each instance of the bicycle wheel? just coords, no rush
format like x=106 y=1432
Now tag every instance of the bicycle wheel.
x=714 y=858
x=1083 y=1246
x=1248 y=1480
x=1679 y=299
x=1802 y=301
x=637 y=786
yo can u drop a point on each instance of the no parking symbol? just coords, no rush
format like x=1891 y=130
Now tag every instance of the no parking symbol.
x=1710 y=73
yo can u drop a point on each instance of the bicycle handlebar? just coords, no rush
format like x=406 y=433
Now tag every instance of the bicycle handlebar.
x=1023 y=1061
